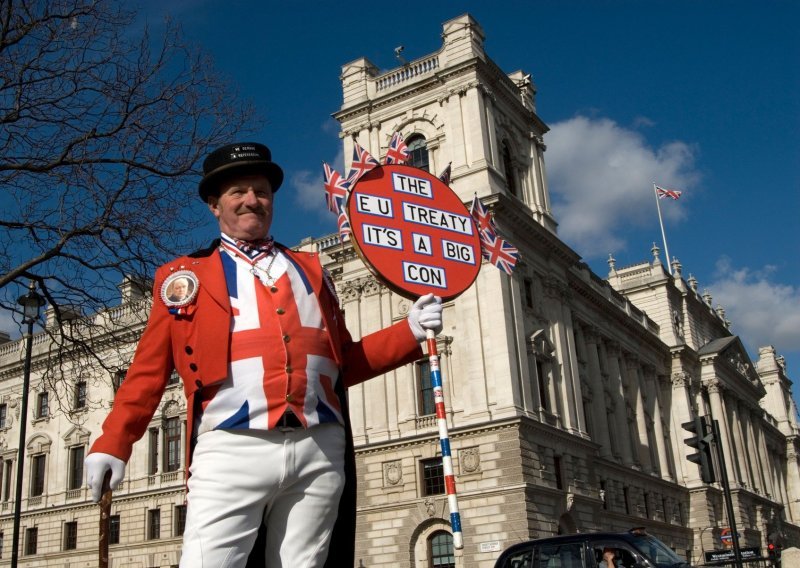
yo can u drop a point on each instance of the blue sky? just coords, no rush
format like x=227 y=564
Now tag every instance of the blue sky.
x=698 y=96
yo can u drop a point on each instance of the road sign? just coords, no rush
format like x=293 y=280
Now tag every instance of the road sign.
x=414 y=232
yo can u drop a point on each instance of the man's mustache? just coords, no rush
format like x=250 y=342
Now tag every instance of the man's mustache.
x=257 y=210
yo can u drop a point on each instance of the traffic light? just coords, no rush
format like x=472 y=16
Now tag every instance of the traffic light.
x=774 y=549
x=701 y=441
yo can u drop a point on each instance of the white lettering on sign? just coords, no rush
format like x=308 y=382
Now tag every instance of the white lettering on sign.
x=457 y=251
x=437 y=218
x=422 y=244
x=374 y=205
x=413 y=185
x=382 y=236
x=424 y=274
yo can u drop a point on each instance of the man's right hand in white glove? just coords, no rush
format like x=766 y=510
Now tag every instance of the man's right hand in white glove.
x=96 y=467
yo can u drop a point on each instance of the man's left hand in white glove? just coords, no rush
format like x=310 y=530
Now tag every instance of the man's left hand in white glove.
x=425 y=314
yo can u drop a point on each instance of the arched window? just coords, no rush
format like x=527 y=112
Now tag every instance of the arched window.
x=418 y=152
x=440 y=550
x=509 y=170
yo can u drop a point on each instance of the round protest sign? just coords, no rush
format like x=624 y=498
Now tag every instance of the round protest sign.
x=414 y=232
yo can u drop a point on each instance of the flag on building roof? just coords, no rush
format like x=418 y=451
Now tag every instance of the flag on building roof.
x=336 y=188
x=445 y=175
x=398 y=151
x=664 y=193
x=494 y=248
x=362 y=163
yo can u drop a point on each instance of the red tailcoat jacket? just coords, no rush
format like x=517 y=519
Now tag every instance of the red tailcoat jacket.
x=197 y=343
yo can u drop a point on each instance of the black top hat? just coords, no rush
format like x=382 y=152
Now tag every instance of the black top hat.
x=240 y=158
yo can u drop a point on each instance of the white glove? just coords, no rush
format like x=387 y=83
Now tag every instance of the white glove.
x=426 y=313
x=96 y=467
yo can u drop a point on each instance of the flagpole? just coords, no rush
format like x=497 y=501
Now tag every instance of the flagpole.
x=663 y=234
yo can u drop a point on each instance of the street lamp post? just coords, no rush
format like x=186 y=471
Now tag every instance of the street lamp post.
x=30 y=302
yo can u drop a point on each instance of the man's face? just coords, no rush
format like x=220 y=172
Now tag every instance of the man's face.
x=244 y=207
x=180 y=289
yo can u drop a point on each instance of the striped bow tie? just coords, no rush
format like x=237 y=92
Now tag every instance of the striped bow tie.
x=257 y=246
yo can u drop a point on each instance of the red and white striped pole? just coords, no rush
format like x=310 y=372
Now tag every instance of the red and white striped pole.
x=444 y=441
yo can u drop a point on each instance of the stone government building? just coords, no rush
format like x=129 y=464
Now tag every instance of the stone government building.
x=565 y=390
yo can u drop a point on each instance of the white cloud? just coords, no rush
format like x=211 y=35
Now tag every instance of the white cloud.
x=601 y=175
x=762 y=311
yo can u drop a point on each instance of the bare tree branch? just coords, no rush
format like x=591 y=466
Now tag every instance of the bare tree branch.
x=102 y=129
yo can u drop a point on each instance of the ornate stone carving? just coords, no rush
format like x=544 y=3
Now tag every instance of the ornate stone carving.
x=430 y=506
x=393 y=472
x=470 y=460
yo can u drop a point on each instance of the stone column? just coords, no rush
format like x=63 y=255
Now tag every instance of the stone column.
x=720 y=415
x=599 y=411
x=635 y=384
x=742 y=459
x=658 y=427
x=617 y=383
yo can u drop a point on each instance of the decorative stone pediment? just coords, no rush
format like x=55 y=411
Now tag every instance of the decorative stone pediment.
x=539 y=344
x=76 y=436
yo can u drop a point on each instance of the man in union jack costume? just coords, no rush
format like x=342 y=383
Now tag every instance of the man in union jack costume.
x=265 y=358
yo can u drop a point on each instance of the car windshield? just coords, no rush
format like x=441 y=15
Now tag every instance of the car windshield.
x=660 y=553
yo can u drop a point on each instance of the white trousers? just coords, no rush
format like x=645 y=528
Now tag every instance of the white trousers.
x=290 y=480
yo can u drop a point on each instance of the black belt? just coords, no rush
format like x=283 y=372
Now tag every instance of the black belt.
x=289 y=420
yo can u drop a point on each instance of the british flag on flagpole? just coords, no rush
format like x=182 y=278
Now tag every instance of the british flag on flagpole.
x=481 y=215
x=494 y=248
x=398 y=151
x=664 y=193
x=445 y=175
x=362 y=163
x=344 y=224
x=499 y=252
x=336 y=188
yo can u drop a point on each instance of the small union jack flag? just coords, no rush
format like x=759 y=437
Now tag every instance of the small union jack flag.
x=445 y=175
x=362 y=163
x=499 y=252
x=344 y=224
x=482 y=216
x=671 y=193
x=398 y=151
x=494 y=248
x=336 y=188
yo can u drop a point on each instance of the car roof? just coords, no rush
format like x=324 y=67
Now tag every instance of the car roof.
x=567 y=538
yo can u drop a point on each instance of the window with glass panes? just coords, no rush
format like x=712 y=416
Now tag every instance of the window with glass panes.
x=426 y=403
x=418 y=152
x=3 y=415
x=172 y=444
x=180 y=520
x=432 y=476
x=75 y=475
x=2 y=542
x=8 y=466
x=113 y=529
x=42 y=405
x=80 y=395
x=71 y=535
x=38 y=464
x=31 y=540
x=154 y=524
x=152 y=461
x=440 y=550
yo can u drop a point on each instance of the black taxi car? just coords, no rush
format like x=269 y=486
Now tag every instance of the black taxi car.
x=632 y=549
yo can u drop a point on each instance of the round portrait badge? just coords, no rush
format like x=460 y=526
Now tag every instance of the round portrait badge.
x=180 y=289
x=414 y=232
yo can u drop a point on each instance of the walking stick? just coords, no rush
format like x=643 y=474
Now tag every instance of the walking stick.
x=105 y=520
x=444 y=440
